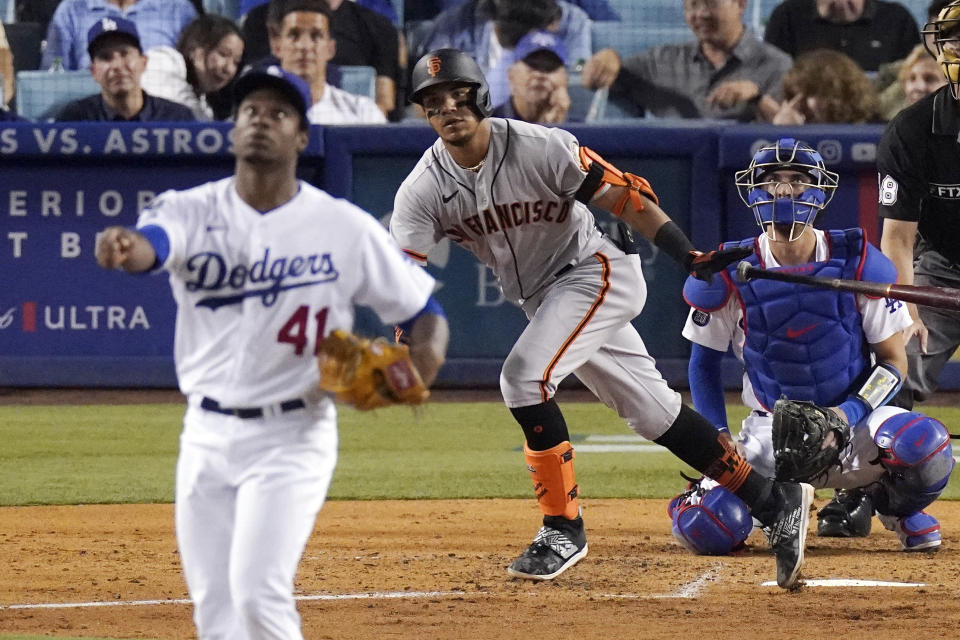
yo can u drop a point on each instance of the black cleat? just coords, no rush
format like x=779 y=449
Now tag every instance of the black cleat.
x=848 y=515
x=559 y=545
x=787 y=530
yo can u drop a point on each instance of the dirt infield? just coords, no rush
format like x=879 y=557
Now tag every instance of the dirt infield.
x=429 y=570
x=434 y=570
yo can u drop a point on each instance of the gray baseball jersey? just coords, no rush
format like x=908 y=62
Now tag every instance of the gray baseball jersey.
x=517 y=214
x=580 y=291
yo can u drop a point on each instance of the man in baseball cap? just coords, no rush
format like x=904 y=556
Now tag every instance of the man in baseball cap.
x=273 y=76
x=117 y=64
x=538 y=80
x=110 y=31
x=541 y=49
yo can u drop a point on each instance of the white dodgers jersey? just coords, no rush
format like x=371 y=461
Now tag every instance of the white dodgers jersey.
x=257 y=291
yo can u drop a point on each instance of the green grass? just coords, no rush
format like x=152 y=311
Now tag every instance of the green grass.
x=120 y=454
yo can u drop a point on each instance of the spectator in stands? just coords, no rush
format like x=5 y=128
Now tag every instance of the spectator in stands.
x=363 y=37
x=871 y=32
x=159 y=22
x=6 y=69
x=39 y=11
x=383 y=7
x=487 y=30
x=889 y=80
x=725 y=73
x=538 y=80
x=9 y=116
x=428 y=9
x=300 y=38
x=920 y=75
x=826 y=86
x=117 y=62
x=205 y=61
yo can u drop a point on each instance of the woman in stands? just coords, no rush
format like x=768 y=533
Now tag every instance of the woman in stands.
x=205 y=61
x=826 y=86
x=919 y=76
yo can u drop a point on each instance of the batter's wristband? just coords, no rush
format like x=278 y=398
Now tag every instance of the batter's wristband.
x=674 y=242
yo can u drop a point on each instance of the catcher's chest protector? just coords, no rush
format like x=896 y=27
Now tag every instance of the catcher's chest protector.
x=802 y=342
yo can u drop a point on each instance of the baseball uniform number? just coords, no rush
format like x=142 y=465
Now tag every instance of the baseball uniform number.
x=294 y=330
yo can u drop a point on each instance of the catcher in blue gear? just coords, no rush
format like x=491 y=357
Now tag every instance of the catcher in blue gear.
x=819 y=364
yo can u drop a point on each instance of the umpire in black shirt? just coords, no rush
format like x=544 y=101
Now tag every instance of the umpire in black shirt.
x=116 y=63
x=918 y=161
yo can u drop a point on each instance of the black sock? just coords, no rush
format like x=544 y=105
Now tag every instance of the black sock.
x=543 y=425
x=693 y=439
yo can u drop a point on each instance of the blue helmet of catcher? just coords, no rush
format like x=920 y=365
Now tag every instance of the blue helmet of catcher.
x=786 y=186
x=709 y=520
x=916 y=452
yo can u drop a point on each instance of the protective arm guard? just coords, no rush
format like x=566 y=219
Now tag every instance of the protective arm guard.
x=601 y=173
x=882 y=384
x=915 y=451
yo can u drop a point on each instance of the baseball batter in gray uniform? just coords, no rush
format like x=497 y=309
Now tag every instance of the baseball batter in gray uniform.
x=515 y=195
x=263 y=267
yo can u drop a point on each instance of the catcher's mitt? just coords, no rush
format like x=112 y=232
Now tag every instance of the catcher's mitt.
x=369 y=373
x=799 y=430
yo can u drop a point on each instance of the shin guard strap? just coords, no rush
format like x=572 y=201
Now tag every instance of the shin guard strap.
x=553 y=480
x=730 y=469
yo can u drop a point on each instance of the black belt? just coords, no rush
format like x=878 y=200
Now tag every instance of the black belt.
x=563 y=271
x=209 y=404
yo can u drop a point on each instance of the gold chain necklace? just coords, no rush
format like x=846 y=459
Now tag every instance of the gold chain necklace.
x=475 y=168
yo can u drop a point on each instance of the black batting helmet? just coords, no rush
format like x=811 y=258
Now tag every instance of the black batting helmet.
x=451 y=65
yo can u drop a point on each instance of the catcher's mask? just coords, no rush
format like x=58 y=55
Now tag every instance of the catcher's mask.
x=452 y=66
x=945 y=43
x=779 y=199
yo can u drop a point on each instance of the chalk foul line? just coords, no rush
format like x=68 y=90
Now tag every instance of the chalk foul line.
x=847 y=582
x=690 y=590
x=385 y=595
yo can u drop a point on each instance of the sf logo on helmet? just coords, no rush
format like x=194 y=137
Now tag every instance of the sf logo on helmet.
x=433 y=66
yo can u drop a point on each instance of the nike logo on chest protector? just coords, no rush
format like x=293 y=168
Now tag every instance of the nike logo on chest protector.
x=796 y=333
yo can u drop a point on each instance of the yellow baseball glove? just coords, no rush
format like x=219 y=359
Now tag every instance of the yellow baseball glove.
x=369 y=374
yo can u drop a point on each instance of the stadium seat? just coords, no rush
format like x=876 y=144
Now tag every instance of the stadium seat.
x=416 y=33
x=398 y=9
x=669 y=13
x=227 y=8
x=758 y=13
x=651 y=13
x=358 y=79
x=41 y=94
x=918 y=9
x=25 y=39
x=628 y=39
x=583 y=101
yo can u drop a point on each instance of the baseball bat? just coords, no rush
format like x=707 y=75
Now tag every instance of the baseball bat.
x=940 y=297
